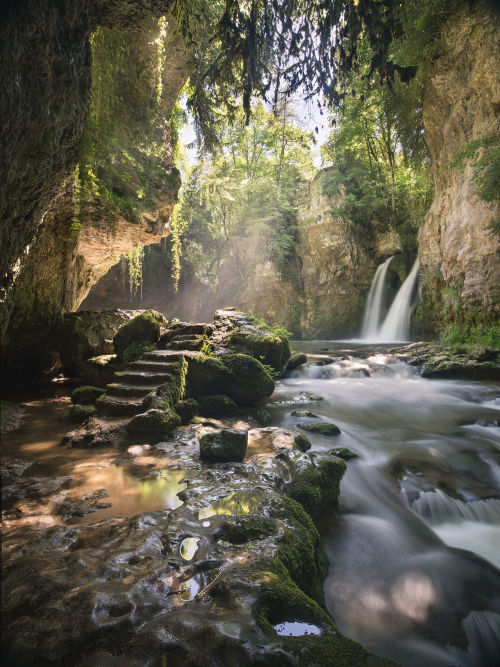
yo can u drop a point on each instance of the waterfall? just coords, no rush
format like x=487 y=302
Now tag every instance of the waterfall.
x=371 y=319
x=396 y=326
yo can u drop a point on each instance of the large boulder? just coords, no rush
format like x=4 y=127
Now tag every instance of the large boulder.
x=228 y=444
x=87 y=333
x=142 y=329
x=154 y=423
x=99 y=371
x=239 y=376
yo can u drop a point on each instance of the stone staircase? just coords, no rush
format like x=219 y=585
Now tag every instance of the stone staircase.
x=125 y=397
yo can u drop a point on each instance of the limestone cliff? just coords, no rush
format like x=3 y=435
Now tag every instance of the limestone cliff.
x=460 y=255
x=61 y=229
x=336 y=260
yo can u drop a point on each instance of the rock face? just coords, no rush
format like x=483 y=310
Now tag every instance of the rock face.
x=55 y=245
x=460 y=256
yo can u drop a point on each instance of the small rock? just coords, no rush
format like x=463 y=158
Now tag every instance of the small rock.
x=303 y=413
x=321 y=428
x=343 y=453
x=296 y=360
x=227 y=444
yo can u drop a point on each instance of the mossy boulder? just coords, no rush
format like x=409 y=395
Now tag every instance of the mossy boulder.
x=248 y=380
x=86 y=395
x=82 y=412
x=321 y=428
x=85 y=334
x=269 y=348
x=317 y=487
x=343 y=453
x=301 y=442
x=239 y=376
x=228 y=444
x=135 y=351
x=297 y=359
x=144 y=328
x=187 y=409
x=99 y=371
x=218 y=405
x=303 y=413
x=154 y=423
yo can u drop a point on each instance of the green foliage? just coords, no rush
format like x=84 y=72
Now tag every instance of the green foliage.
x=484 y=156
x=487 y=335
x=239 y=208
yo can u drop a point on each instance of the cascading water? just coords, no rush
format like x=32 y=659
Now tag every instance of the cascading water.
x=396 y=326
x=371 y=318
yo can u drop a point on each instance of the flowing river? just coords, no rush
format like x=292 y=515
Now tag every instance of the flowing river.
x=415 y=549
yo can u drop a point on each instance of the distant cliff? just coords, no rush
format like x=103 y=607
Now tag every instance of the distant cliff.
x=460 y=253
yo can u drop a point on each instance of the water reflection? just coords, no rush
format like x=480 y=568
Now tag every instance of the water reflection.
x=236 y=504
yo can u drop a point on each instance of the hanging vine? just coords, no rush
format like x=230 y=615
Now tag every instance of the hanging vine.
x=135 y=260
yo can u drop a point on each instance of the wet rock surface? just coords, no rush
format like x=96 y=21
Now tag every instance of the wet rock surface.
x=444 y=361
x=204 y=578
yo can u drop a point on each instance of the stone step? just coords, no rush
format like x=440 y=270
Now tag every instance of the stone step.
x=162 y=355
x=188 y=337
x=142 y=378
x=153 y=366
x=119 y=406
x=191 y=345
x=119 y=389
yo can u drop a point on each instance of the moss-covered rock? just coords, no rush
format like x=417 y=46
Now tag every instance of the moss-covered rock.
x=86 y=395
x=154 y=423
x=167 y=395
x=301 y=442
x=187 y=409
x=303 y=413
x=228 y=444
x=218 y=405
x=135 y=351
x=343 y=453
x=249 y=381
x=144 y=328
x=317 y=487
x=239 y=376
x=270 y=349
x=239 y=530
x=297 y=359
x=319 y=427
x=82 y=412
x=99 y=371
x=85 y=334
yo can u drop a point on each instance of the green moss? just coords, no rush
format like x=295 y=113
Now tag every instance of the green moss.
x=159 y=423
x=217 y=406
x=86 y=395
x=343 y=453
x=270 y=349
x=317 y=487
x=322 y=428
x=135 y=351
x=82 y=412
x=170 y=393
x=472 y=334
x=144 y=328
x=303 y=413
x=239 y=530
x=249 y=381
x=301 y=442
x=187 y=409
x=239 y=376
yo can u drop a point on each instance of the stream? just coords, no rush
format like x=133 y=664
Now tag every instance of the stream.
x=415 y=549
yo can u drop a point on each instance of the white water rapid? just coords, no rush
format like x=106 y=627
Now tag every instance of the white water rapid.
x=371 y=320
x=414 y=549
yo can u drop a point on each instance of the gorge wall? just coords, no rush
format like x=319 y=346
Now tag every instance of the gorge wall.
x=460 y=253
x=63 y=229
x=320 y=294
